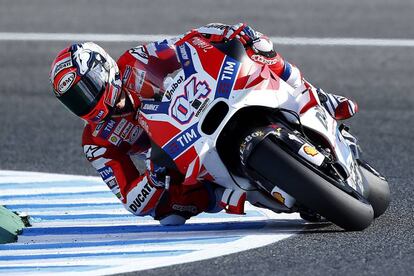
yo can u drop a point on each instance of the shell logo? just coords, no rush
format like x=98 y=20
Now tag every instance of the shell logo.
x=279 y=197
x=310 y=151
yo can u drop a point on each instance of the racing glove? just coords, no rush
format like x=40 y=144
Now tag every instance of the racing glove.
x=251 y=39
x=244 y=33
x=156 y=175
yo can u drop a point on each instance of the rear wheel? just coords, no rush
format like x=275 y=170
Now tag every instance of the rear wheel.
x=270 y=162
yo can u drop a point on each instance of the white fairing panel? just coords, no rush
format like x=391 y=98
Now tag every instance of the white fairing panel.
x=200 y=86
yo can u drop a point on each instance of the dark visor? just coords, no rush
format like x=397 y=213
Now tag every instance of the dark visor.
x=84 y=95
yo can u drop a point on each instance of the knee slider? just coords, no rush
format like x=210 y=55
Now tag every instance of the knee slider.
x=172 y=220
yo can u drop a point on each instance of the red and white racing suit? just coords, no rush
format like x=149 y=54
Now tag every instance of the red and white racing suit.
x=110 y=144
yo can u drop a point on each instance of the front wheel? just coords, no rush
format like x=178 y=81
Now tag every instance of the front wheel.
x=308 y=187
x=378 y=190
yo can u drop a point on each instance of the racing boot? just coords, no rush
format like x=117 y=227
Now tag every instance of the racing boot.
x=339 y=107
x=181 y=202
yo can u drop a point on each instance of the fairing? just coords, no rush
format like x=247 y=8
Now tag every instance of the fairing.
x=209 y=77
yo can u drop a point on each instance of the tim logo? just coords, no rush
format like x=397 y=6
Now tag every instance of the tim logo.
x=186 y=105
x=227 y=77
x=106 y=172
x=182 y=141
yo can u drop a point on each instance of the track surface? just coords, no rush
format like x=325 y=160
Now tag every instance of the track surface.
x=79 y=227
x=39 y=135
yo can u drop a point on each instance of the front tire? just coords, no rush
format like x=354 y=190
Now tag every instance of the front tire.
x=378 y=190
x=309 y=188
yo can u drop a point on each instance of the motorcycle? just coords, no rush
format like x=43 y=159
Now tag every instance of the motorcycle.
x=229 y=120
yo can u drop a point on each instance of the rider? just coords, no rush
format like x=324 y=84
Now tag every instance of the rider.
x=108 y=95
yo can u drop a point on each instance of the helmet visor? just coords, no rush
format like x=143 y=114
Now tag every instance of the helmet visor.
x=82 y=97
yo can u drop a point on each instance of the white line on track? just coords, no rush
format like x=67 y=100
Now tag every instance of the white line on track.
x=326 y=41
x=79 y=232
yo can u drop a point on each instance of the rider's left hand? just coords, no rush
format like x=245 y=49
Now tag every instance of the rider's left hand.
x=156 y=174
x=244 y=33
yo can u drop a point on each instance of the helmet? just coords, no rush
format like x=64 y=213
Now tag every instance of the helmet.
x=86 y=80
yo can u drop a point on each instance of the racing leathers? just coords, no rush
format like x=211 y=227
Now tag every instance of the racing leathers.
x=145 y=69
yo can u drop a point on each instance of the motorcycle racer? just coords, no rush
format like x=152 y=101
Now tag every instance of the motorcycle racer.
x=108 y=95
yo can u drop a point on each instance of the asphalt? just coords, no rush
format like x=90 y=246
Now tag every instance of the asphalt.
x=38 y=134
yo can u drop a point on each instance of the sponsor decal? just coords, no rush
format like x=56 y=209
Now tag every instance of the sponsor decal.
x=112 y=96
x=282 y=197
x=119 y=195
x=150 y=106
x=112 y=183
x=184 y=55
x=63 y=64
x=213 y=29
x=255 y=134
x=114 y=186
x=65 y=82
x=108 y=129
x=226 y=78
x=92 y=151
x=140 y=54
x=185 y=208
x=154 y=107
x=279 y=197
x=202 y=107
x=203 y=45
x=173 y=87
x=311 y=154
x=127 y=74
x=228 y=71
x=182 y=141
x=139 y=79
x=106 y=172
x=98 y=117
x=114 y=139
x=120 y=126
x=143 y=123
x=135 y=133
x=247 y=144
x=142 y=198
x=248 y=138
x=264 y=60
x=310 y=150
x=183 y=52
x=216 y=26
x=188 y=137
x=97 y=129
x=196 y=104
x=182 y=109
x=127 y=130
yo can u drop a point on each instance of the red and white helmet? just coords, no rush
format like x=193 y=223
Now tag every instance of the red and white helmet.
x=86 y=80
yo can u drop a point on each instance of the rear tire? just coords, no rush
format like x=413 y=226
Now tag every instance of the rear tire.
x=309 y=188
